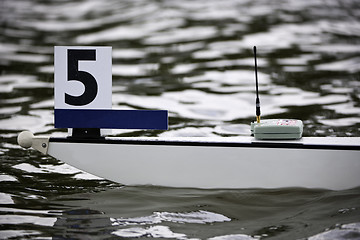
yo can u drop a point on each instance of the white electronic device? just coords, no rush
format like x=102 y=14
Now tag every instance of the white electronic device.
x=273 y=128
x=277 y=129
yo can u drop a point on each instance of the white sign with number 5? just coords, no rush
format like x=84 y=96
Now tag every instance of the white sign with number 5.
x=83 y=78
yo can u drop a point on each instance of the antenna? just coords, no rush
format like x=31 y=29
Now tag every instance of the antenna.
x=257 y=90
x=273 y=128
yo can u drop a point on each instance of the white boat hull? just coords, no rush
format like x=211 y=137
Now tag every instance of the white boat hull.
x=207 y=163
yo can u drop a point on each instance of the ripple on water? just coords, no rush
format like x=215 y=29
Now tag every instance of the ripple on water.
x=199 y=217
x=345 y=231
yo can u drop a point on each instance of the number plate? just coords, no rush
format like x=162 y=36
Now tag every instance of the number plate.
x=83 y=78
x=83 y=82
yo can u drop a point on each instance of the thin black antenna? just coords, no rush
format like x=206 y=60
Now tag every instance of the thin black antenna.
x=257 y=90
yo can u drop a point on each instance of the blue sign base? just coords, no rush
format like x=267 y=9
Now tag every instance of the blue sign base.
x=111 y=119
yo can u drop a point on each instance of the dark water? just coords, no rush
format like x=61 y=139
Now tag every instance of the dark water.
x=194 y=59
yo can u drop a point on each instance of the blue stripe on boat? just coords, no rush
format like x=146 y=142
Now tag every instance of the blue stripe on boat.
x=113 y=119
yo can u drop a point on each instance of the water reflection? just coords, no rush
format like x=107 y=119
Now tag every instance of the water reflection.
x=169 y=46
x=87 y=223
x=122 y=212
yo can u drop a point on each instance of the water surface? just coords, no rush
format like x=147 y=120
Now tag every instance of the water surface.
x=193 y=58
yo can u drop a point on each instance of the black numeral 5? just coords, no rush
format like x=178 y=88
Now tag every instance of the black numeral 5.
x=90 y=84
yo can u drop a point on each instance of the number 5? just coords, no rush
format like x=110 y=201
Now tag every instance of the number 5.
x=90 y=84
